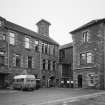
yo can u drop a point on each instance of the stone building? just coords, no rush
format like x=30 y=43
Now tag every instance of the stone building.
x=25 y=51
x=66 y=64
x=89 y=55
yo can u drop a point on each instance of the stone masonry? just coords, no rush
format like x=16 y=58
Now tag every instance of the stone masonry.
x=8 y=52
x=96 y=46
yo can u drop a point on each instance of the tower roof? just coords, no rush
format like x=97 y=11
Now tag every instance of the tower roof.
x=29 y=32
x=42 y=20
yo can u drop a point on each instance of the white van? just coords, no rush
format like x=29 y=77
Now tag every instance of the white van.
x=24 y=82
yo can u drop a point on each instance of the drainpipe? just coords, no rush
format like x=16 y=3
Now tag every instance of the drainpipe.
x=40 y=62
x=8 y=48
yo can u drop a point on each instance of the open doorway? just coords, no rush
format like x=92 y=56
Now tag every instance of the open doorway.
x=51 y=81
x=79 y=81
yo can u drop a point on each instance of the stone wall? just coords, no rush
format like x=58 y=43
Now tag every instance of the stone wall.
x=96 y=46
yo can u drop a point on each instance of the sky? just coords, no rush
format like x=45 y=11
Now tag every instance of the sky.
x=64 y=15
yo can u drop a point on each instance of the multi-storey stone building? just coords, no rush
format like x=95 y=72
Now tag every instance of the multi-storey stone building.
x=25 y=51
x=66 y=65
x=89 y=55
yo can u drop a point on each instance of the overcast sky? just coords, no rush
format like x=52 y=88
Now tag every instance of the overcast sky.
x=64 y=15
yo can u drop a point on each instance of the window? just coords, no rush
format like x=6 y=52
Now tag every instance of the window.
x=85 y=36
x=43 y=77
x=54 y=65
x=82 y=58
x=12 y=38
x=36 y=42
x=1 y=60
x=49 y=64
x=0 y=23
x=61 y=55
x=86 y=58
x=36 y=45
x=89 y=57
x=29 y=62
x=51 y=49
x=27 y=42
x=44 y=64
x=18 y=60
x=91 y=79
x=2 y=36
x=54 y=50
x=46 y=48
x=42 y=47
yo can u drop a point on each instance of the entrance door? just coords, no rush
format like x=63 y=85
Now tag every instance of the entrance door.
x=2 y=80
x=51 y=81
x=80 y=81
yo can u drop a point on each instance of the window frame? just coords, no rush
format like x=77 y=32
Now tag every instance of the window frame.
x=87 y=60
x=91 y=79
x=85 y=35
x=29 y=62
x=49 y=65
x=18 y=57
x=36 y=45
x=44 y=64
x=2 y=36
x=54 y=65
x=43 y=47
x=0 y=23
x=46 y=48
x=12 y=39
x=27 y=42
x=84 y=61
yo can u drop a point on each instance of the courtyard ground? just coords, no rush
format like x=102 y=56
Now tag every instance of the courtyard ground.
x=44 y=96
x=98 y=100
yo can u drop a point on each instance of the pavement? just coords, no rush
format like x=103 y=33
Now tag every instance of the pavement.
x=66 y=101
x=46 y=96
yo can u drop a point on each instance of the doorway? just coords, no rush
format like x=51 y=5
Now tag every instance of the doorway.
x=79 y=81
x=2 y=77
x=51 y=81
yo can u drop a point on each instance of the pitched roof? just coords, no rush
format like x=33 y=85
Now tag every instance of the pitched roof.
x=66 y=46
x=26 y=31
x=88 y=24
x=42 y=20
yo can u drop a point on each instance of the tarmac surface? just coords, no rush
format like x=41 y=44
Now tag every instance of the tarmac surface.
x=46 y=96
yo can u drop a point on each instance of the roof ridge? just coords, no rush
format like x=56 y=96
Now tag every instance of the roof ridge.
x=88 y=24
x=66 y=45
x=30 y=32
